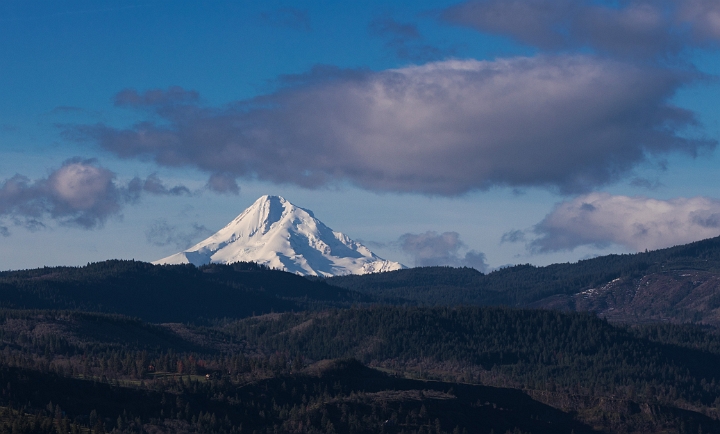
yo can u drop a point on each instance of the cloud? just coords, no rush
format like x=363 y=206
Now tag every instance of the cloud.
x=155 y=97
x=297 y=19
x=646 y=183
x=476 y=260
x=404 y=39
x=223 y=183
x=513 y=236
x=153 y=185
x=637 y=223
x=638 y=28
x=29 y=223
x=704 y=16
x=83 y=193
x=79 y=193
x=570 y=123
x=431 y=248
x=161 y=233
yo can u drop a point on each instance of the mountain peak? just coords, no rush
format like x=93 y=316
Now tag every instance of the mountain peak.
x=277 y=233
x=274 y=206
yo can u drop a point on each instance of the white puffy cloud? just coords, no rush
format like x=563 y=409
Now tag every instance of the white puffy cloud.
x=569 y=122
x=79 y=193
x=637 y=223
x=81 y=186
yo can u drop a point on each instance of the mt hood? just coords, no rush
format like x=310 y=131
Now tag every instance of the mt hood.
x=276 y=233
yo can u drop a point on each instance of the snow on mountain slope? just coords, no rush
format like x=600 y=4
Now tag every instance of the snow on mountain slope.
x=276 y=233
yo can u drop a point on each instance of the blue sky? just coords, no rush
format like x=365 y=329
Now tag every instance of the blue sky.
x=527 y=131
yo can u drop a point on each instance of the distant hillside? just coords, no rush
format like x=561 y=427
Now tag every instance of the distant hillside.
x=171 y=293
x=444 y=370
x=616 y=378
x=505 y=347
x=679 y=284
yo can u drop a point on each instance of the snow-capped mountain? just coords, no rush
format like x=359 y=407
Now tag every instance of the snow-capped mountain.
x=276 y=233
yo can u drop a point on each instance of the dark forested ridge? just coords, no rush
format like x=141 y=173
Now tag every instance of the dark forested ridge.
x=169 y=293
x=680 y=284
x=128 y=347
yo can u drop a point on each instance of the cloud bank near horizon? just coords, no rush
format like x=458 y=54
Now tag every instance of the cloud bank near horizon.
x=636 y=223
x=432 y=248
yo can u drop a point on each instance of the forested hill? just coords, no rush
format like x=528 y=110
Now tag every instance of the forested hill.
x=169 y=293
x=440 y=369
x=523 y=285
x=533 y=349
x=681 y=284
x=437 y=370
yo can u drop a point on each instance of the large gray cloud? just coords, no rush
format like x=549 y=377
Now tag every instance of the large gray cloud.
x=79 y=193
x=431 y=248
x=637 y=223
x=646 y=28
x=569 y=122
